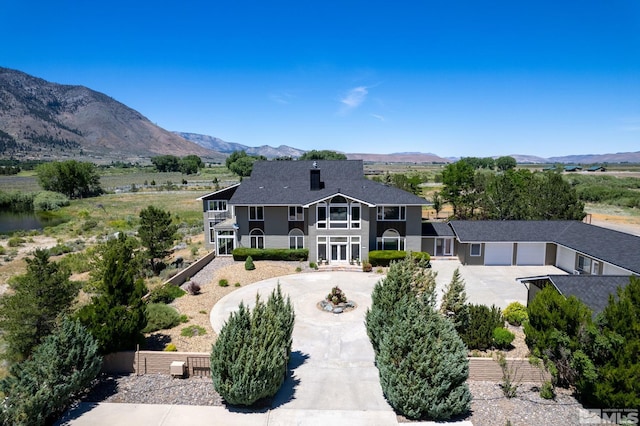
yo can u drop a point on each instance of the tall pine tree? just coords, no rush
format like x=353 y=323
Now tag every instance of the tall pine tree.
x=116 y=316
x=454 y=302
x=40 y=298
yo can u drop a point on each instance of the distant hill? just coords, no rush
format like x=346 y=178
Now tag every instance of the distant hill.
x=401 y=157
x=41 y=120
x=225 y=147
x=620 y=157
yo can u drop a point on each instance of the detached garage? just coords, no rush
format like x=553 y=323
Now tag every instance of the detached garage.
x=498 y=254
x=530 y=254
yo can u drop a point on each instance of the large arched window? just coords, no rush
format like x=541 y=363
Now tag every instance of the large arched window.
x=256 y=238
x=296 y=239
x=391 y=240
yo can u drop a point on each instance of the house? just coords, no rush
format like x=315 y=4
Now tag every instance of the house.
x=572 y=168
x=596 y=169
x=331 y=209
x=325 y=206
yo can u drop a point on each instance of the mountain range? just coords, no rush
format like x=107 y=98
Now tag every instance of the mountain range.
x=45 y=120
x=40 y=120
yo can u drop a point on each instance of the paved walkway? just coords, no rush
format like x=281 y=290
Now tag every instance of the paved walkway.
x=332 y=380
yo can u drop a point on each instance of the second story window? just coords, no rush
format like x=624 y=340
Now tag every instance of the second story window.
x=296 y=213
x=256 y=213
x=218 y=205
x=392 y=212
x=321 y=221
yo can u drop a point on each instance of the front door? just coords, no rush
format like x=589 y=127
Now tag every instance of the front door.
x=444 y=246
x=339 y=252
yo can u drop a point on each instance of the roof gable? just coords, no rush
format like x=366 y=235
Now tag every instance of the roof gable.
x=592 y=290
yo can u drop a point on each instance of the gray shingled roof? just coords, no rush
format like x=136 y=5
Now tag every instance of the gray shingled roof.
x=592 y=290
x=469 y=231
x=437 y=229
x=288 y=183
x=617 y=248
x=611 y=246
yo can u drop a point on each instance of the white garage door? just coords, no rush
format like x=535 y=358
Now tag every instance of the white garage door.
x=498 y=253
x=530 y=254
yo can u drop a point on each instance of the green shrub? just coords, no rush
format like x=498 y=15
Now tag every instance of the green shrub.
x=193 y=330
x=78 y=262
x=161 y=317
x=423 y=364
x=502 y=338
x=385 y=257
x=3 y=250
x=89 y=224
x=59 y=249
x=16 y=242
x=236 y=285
x=241 y=254
x=223 y=282
x=42 y=386
x=165 y=293
x=249 y=359
x=170 y=348
x=48 y=201
x=515 y=313
x=482 y=321
x=248 y=264
x=547 y=391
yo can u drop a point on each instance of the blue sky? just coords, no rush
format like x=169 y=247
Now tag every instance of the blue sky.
x=455 y=78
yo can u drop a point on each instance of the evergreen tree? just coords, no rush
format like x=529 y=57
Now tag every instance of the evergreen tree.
x=404 y=277
x=454 y=302
x=618 y=383
x=43 y=386
x=423 y=364
x=40 y=298
x=116 y=316
x=249 y=359
x=157 y=234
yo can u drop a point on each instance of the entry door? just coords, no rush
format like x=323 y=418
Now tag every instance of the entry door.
x=225 y=243
x=339 y=252
x=444 y=246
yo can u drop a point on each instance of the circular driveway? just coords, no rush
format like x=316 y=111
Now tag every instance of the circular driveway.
x=332 y=366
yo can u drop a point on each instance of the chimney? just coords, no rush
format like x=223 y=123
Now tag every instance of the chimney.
x=314 y=178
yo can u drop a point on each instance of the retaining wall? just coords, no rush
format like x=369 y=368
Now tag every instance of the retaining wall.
x=197 y=363
x=155 y=362
x=179 y=278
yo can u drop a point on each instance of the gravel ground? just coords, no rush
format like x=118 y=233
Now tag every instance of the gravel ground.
x=198 y=307
x=489 y=406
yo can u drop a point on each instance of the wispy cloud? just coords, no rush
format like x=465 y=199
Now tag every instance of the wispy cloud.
x=284 y=98
x=379 y=117
x=353 y=99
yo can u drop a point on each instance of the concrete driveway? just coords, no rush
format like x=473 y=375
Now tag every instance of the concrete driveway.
x=332 y=359
x=490 y=285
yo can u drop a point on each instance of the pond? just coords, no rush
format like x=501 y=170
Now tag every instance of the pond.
x=25 y=221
